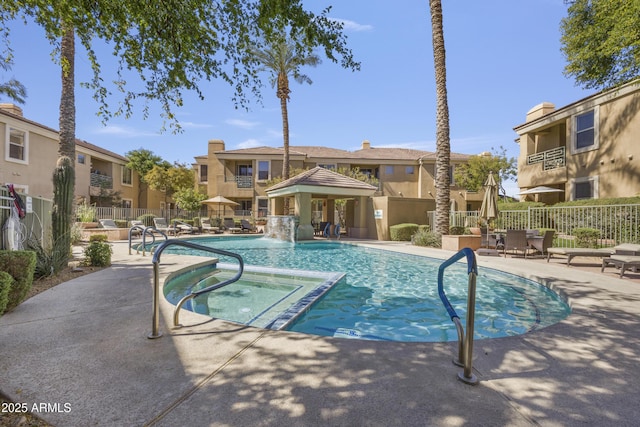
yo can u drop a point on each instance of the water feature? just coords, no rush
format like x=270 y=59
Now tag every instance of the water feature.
x=281 y=227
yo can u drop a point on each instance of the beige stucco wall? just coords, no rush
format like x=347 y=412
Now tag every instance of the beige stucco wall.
x=615 y=163
x=397 y=210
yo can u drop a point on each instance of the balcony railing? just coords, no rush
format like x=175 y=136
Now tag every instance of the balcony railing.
x=240 y=180
x=550 y=159
x=102 y=181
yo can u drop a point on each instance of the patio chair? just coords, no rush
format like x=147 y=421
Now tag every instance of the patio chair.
x=230 y=226
x=516 y=241
x=326 y=231
x=245 y=225
x=544 y=243
x=205 y=223
x=183 y=227
x=320 y=230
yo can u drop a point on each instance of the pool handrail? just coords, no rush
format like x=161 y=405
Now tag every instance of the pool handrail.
x=145 y=231
x=155 y=327
x=465 y=341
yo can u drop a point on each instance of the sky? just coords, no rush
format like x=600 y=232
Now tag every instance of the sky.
x=503 y=58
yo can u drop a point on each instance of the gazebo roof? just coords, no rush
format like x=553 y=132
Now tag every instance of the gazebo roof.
x=321 y=181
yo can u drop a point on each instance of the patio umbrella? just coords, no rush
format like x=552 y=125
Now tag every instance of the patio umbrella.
x=541 y=189
x=489 y=208
x=219 y=201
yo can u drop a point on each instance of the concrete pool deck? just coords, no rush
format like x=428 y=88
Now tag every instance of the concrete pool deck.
x=79 y=352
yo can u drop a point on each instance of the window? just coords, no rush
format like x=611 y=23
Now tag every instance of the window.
x=388 y=170
x=17 y=148
x=263 y=170
x=585 y=131
x=244 y=170
x=263 y=207
x=81 y=159
x=330 y=166
x=204 y=172
x=585 y=188
x=409 y=170
x=127 y=176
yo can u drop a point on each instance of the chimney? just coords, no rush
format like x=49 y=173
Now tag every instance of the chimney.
x=366 y=145
x=215 y=145
x=11 y=108
x=540 y=110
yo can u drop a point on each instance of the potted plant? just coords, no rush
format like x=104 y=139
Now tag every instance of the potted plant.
x=86 y=215
x=457 y=239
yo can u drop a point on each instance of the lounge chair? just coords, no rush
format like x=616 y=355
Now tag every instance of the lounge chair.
x=516 y=241
x=107 y=223
x=230 y=226
x=570 y=253
x=623 y=262
x=246 y=225
x=205 y=223
x=161 y=225
x=320 y=230
x=183 y=227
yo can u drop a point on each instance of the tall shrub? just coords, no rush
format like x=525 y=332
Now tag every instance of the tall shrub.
x=5 y=285
x=20 y=265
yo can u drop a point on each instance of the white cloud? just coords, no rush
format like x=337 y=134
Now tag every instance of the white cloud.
x=124 y=132
x=245 y=124
x=192 y=125
x=352 y=25
x=250 y=143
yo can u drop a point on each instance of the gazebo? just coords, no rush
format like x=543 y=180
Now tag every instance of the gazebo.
x=320 y=183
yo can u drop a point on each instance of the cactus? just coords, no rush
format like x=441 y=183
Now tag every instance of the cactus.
x=62 y=214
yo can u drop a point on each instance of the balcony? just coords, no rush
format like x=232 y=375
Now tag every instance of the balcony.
x=550 y=159
x=101 y=181
x=241 y=181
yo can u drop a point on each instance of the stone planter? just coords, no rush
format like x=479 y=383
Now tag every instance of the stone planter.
x=456 y=242
x=86 y=225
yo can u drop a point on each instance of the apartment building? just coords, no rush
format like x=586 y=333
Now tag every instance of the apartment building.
x=30 y=155
x=586 y=150
x=242 y=175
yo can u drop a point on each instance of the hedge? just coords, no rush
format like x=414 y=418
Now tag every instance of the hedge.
x=403 y=232
x=20 y=265
x=5 y=285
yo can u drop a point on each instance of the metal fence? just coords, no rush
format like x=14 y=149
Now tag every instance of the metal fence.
x=126 y=214
x=616 y=223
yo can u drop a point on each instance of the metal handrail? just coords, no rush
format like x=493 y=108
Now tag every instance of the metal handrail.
x=155 y=327
x=144 y=232
x=465 y=342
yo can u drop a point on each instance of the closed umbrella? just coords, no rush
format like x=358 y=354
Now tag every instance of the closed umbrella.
x=219 y=201
x=489 y=208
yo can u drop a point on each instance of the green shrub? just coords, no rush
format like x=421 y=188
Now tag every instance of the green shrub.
x=5 y=285
x=76 y=233
x=98 y=238
x=586 y=237
x=426 y=238
x=457 y=231
x=98 y=252
x=86 y=212
x=46 y=258
x=424 y=228
x=403 y=232
x=20 y=265
x=147 y=219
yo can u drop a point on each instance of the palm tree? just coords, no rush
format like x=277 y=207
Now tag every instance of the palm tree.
x=282 y=60
x=443 y=145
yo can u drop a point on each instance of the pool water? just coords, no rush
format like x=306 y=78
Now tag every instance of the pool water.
x=391 y=296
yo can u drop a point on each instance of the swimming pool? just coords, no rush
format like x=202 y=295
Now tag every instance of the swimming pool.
x=391 y=296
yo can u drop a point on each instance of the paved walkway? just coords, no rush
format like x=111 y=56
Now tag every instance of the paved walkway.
x=79 y=352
